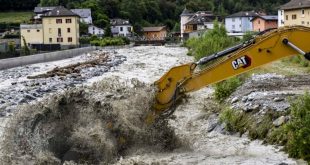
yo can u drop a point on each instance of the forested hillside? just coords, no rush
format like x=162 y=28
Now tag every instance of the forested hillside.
x=148 y=12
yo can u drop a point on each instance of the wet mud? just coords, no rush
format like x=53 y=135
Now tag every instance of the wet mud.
x=91 y=125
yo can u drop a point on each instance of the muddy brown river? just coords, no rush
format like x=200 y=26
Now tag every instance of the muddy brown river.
x=191 y=124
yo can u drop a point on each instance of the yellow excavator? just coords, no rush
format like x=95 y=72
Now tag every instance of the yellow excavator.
x=266 y=47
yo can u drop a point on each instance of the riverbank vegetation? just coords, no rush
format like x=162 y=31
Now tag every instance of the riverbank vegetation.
x=294 y=135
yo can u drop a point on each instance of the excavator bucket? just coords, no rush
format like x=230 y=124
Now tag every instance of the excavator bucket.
x=168 y=89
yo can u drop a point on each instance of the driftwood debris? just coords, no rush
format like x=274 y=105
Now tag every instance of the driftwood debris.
x=101 y=59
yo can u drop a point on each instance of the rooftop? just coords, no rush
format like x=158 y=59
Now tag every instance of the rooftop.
x=296 y=4
x=244 y=14
x=186 y=12
x=84 y=13
x=153 y=29
x=201 y=17
x=118 y=21
x=43 y=9
x=268 y=17
x=60 y=11
x=31 y=26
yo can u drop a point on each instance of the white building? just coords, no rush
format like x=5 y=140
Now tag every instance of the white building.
x=94 y=30
x=194 y=24
x=85 y=15
x=240 y=22
x=185 y=17
x=280 y=18
x=121 y=27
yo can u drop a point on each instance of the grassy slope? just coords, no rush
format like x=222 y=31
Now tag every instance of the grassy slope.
x=15 y=17
x=283 y=67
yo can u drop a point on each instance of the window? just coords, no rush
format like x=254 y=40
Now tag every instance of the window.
x=58 y=21
x=129 y=29
x=38 y=30
x=294 y=16
x=233 y=26
x=50 y=30
x=233 y=20
x=258 y=21
x=286 y=17
x=302 y=22
x=28 y=31
x=240 y=25
x=68 y=21
x=121 y=29
x=302 y=12
x=69 y=39
x=50 y=40
x=68 y=30
x=59 y=39
x=59 y=32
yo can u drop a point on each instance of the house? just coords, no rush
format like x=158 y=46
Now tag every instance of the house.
x=121 y=27
x=261 y=23
x=295 y=12
x=195 y=23
x=39 y=11
x=155 y=33
x=280 y=18
x=240 y=22
x=33 y=34
x=59 y=26
x=85 y=15
x=94 y=30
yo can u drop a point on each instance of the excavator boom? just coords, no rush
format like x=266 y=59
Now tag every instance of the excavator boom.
x=262 y=49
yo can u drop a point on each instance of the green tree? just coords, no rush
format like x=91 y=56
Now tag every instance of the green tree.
x=83 y=28
x=211 y=42
x=25 y=47
x=107 y=31
x=49 y=3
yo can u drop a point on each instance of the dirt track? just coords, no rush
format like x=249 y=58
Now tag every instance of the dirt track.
x=192 y=124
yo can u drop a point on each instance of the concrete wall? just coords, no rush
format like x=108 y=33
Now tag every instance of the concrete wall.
x=45 y=57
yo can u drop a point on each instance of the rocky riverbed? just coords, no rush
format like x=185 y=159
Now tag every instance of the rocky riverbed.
x=270 y=91
x=200 y=136
x=23 y=85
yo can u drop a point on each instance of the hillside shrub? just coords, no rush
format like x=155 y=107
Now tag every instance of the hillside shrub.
x=225 y=88
x=108 y=41
x=299 y=60
x=235 y=120
x=298 y=129
x=211 y=42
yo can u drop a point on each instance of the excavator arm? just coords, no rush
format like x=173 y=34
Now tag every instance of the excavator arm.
x=262 y=49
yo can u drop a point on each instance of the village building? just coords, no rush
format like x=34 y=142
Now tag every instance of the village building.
x=85 y=15
x=155 y=33
x=295 y=12
x=121 y=27
x=195 y=24
x=94 y=30
x=59 y=26
x=39 y=11
x=261 y=23
x=32 y=33
x=240 y=22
